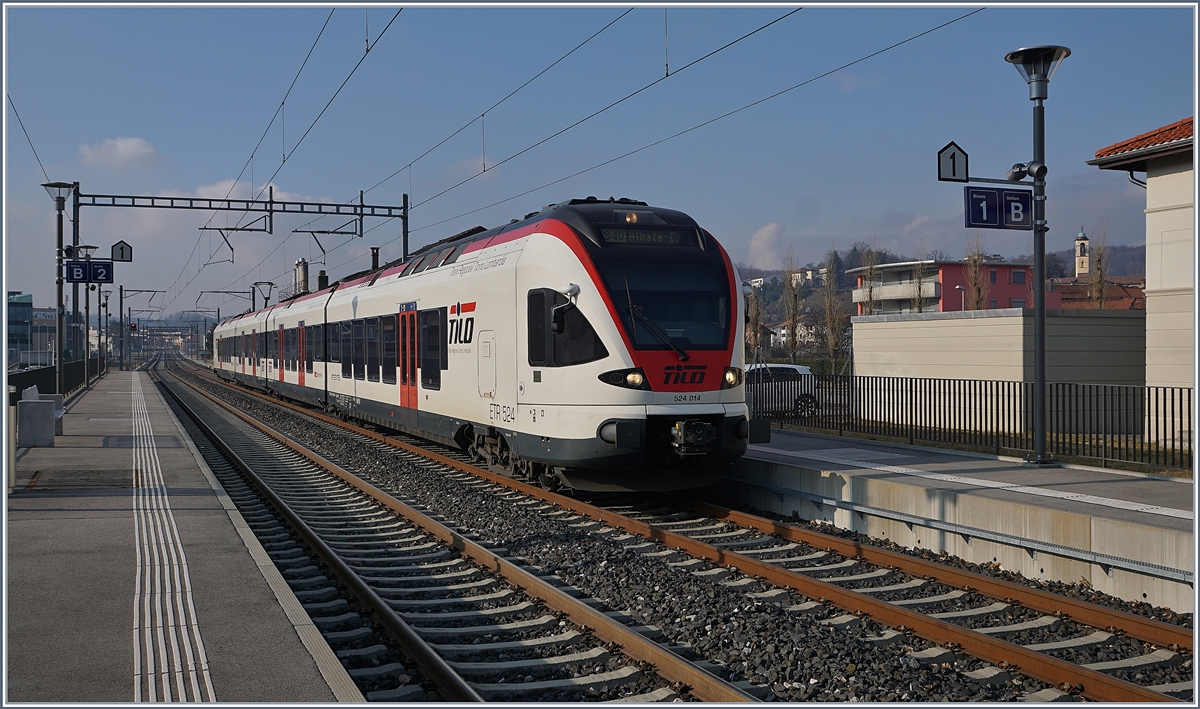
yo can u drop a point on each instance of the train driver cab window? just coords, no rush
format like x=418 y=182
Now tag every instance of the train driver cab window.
x=433 y=347
x=360 y=349
x=559 y=333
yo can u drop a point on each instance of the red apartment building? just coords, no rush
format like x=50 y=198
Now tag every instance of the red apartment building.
x=944 y=287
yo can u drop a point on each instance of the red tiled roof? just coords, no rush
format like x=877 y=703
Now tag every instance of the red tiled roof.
x=1158 y=136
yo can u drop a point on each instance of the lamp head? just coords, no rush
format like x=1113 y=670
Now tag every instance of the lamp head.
x=58 y=190
x=1037 y=65
x=1030 y=169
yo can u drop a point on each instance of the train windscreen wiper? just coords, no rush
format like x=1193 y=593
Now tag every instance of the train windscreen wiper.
x=636 y=313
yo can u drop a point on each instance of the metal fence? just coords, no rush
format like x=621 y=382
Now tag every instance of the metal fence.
x=46 y=377
x=1135 y=424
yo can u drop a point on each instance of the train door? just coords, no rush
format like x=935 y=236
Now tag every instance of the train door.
x=300 y=353
x=486 y=346
x=408 y=358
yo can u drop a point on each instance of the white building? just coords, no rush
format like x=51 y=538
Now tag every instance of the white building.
x=1165 y=155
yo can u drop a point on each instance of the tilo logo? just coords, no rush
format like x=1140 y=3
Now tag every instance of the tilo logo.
x=684 y=373
x=462 y=330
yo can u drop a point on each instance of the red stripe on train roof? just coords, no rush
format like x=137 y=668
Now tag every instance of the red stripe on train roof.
x=505 y=237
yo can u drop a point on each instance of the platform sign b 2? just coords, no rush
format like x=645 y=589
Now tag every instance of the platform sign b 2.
x=993 y=208
x=102 y=272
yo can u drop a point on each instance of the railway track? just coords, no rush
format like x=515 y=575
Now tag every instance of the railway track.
x=887 y=598
x=469 y=622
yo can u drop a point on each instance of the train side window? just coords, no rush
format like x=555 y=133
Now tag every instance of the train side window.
x=293 y=349
x=433 y=346
x=309 y=333
x=576 y=341
x=335 y=341
x=373 y=349
x=456 y=253
x=318 y=348
x=387 y=335
x=347 y=349
x=360 y=347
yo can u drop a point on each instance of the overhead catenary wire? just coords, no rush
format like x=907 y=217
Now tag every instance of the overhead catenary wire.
x=297 y=144
x=692 y=128
x=487 y=110
x=573 y=125
x=250 y=161
x=660 y=141
x=466 y=125
x=614 y=104
x=30 y=140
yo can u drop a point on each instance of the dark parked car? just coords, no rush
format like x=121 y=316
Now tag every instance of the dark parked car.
x=782 y=389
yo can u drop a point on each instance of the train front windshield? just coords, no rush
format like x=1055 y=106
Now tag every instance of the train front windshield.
x=689 y=301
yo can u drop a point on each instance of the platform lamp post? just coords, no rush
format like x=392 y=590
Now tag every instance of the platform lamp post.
x=87 y=250
x=105 y=295
x=58 y=192
x=962 y=297
x=1037 y=65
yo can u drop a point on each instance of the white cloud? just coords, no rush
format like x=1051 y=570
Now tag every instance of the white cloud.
x=244 y=190
x=120 y=154
x=764 y=247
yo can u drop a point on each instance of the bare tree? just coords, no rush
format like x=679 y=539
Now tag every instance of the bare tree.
x=833 y=317
x=976 y=272
x=754 y=328
x=919 y=276
x=870 y=259
x=1099 y=276
x=791 y=303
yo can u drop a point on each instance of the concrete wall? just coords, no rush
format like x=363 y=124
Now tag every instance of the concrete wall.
x=1086 y=346
x=1165 y=547
x=1170 y=271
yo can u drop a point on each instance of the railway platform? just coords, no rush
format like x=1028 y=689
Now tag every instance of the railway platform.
x=1127 y=534
x=131 y=577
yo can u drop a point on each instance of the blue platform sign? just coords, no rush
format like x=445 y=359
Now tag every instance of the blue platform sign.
x=998 y=208
x=89 y=271
x=77 y=271
x=102 y=272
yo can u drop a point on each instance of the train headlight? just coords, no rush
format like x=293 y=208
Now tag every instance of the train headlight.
x=627 y=378
x=733 y=377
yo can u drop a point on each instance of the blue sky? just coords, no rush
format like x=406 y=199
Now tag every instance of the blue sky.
x=172 y=101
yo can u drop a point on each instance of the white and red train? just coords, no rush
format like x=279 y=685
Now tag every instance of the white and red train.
x=594 y=345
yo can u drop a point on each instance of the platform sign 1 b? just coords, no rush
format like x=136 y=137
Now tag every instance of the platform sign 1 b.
x=996 y=208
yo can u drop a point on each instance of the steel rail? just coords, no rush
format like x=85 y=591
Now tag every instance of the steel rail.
x=1137 y=627
x=1059 y=673
x=432 y=664
x=701 y=683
